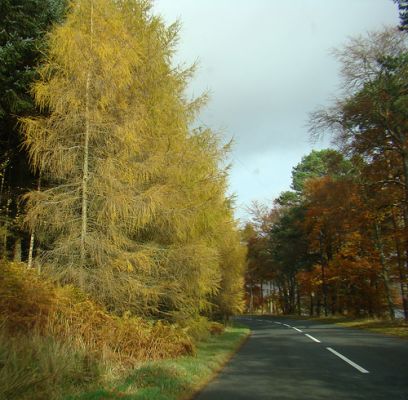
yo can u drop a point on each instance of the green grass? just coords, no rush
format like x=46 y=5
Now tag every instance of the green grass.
x=178 y=378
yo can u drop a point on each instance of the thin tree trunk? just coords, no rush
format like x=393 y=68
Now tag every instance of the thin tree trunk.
x=17 y=250
x=85 y=167
x=32 y=236
x=6 y=226
x=30 y=251
x=2 y=185
x=333 y=302
x=299 y=308
x=400 y=262
x=324 y=289
x=385 y=274
x=405 y=217
x=311 y=307
x=405 y=208
x=323 y=264
x=318 y=304
x=251 y=299
x=85 y=176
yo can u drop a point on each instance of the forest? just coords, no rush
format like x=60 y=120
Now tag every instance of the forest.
x=118 y=240
x=337 y=242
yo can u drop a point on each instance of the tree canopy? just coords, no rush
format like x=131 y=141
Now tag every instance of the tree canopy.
x=340 y=238
x=132 y=205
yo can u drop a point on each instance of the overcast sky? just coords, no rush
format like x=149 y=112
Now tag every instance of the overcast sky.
x=267 y=65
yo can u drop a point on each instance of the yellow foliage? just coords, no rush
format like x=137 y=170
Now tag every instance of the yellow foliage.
x=133 y=208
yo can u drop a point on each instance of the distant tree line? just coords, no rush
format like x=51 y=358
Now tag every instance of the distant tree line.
x=337 y=243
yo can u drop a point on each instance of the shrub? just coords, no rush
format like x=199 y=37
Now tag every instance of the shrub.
x=216 y=328
x=54 y=338
x=37 y=367
x=26 y=301
x=29 y=303
x=197 y=328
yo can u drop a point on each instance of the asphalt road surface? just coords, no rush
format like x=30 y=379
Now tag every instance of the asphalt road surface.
x=301 y=360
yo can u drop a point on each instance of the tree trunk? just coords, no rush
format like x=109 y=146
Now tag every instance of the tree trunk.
x=385 y=275
x=400 y=263
x=405 y=214
x=17 y=250
x=333 y=303
x=323 y=264
x=251 y=299
x=2 y=185
x=6 y=227
x=318 y=304
x=324 y=288
x=405 y=208
x=30 y=251
x=311 y=306
x=299 y=308
x=85 y=167
x=32 y=236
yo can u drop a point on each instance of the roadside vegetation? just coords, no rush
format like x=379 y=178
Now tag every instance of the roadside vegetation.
x=57 y=343
x=384 y=326
x=388 y=327
x=177 y=378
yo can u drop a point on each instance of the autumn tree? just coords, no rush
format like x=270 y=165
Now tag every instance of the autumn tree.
x=230 y=298
x=341 y=229
x=259 y=269
x=84 y=148
x=133 y=208
x=325 y=246
x=370 y=120
x=290 y=232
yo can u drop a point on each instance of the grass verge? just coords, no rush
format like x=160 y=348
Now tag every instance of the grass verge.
x=398 y=328
x=386 y=327
x=176 y=379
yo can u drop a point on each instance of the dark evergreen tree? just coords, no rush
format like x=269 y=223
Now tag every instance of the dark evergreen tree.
x=23 y=24
x=403 y=13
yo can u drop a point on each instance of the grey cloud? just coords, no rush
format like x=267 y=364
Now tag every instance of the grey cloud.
x=267 y=65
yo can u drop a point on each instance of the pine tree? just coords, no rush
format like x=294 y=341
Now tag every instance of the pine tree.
x=23 y=25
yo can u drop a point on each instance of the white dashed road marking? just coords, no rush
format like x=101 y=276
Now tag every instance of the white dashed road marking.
x=347 y=360
x=313 y=338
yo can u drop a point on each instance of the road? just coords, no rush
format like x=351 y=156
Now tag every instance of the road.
x=300 y=360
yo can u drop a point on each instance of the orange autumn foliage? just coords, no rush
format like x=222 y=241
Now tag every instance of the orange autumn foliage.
x=30 y=304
